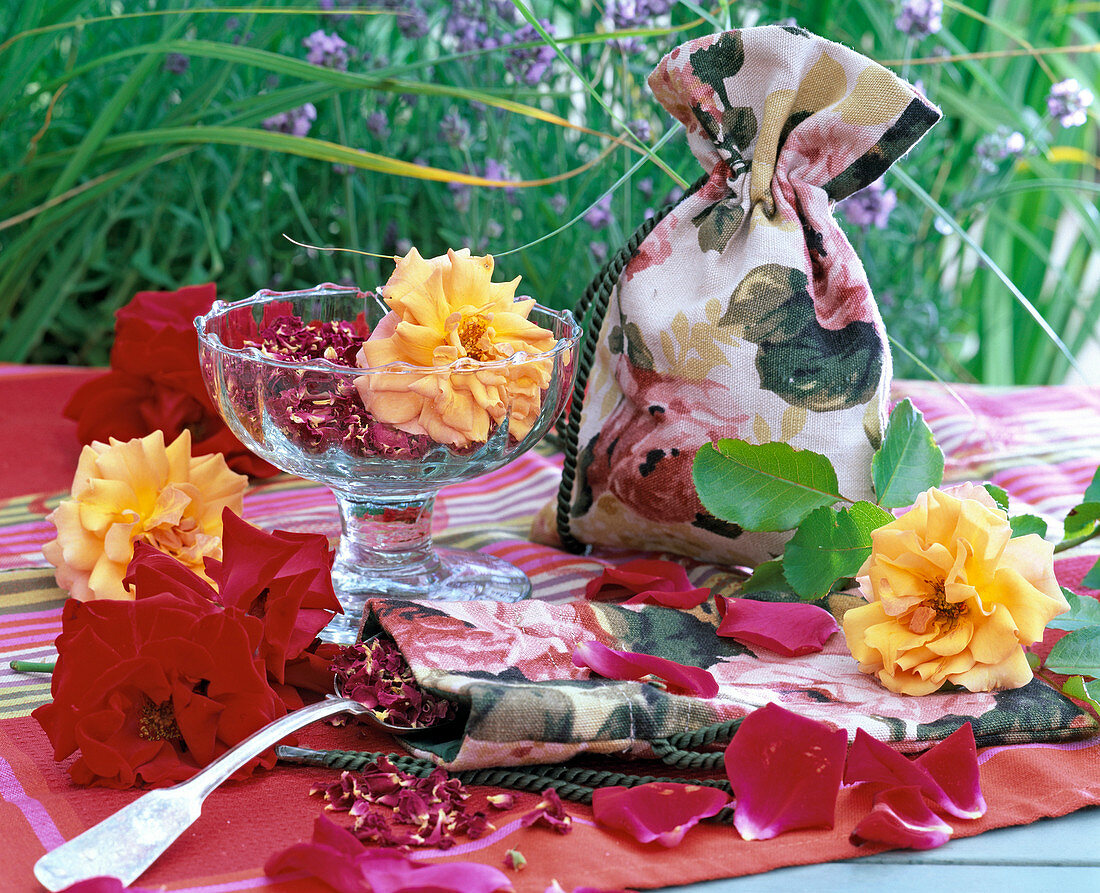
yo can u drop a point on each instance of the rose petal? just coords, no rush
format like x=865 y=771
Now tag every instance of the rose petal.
x=625 y=665
x=658 y=811
x=684 y=599
x=787 y=628
x=336 y=857
x=785 y=771
x=870 y=761
x=639 y=575
x=330 y=857
x=900 y=817
x=953 y=763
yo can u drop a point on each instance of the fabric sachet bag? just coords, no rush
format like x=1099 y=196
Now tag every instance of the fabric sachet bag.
x=743 y=311
x=522 y=701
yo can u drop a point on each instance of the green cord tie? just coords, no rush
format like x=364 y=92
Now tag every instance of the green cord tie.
x=576 y=783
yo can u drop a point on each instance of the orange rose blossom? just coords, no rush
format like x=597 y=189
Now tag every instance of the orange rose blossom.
x=953 y=597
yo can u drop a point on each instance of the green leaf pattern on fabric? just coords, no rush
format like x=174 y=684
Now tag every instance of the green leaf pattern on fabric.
x=798 y=358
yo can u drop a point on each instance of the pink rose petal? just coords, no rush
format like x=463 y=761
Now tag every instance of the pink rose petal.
x=683 y=599
x=901 y=818
x=953 y=763
x=785 y=771
x=336 y=857
x=646 y=579
x=625 y=665
x=873 y=762
x=787 y=628
x=330 y=857
x=658 y=811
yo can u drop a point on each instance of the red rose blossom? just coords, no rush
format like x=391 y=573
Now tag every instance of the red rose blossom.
x=150 y=691
x=155 y=381
x=281 y=579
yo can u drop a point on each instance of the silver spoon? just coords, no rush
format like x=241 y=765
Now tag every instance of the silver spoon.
x=126 y=843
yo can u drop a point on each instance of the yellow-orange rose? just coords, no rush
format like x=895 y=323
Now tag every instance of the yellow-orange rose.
x=446 y=314
x=139 y=490
x=953 y=597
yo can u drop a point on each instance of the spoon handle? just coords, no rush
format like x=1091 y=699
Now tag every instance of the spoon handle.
x=126 y=843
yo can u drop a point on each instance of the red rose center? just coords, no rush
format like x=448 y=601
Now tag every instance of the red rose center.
x=158 y=722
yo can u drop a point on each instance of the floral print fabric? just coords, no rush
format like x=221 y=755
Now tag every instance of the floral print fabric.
x=744 y=313
x=509 y=668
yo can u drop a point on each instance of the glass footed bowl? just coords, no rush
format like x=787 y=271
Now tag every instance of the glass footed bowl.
x=308 y=418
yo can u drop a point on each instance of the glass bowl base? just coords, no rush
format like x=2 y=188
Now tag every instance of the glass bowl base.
x=458 y=575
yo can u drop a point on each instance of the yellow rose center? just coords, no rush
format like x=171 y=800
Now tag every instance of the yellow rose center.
x=471 y=333
x=938 y=608
x=158 y=723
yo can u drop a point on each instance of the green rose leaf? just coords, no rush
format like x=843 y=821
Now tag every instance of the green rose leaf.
x=1092 y=578
x=1082 y=521
x=768 y=486
x=999 y=496
x=1079 y=652
x=1076 y=687
x=830 y=545
x=768 y=577
x=1022 y=525
x=1084 y=611
x=908 y=462
x=1092 y=493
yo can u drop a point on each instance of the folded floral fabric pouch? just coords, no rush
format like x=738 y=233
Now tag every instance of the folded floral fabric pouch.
x=743 y=312
x=509 y=668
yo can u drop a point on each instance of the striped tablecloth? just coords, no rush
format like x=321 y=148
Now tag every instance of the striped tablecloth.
x=1041 y=444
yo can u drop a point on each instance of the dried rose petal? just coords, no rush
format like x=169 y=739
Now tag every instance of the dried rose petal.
x=787 y=628
x=785 y=771
x=393 y=808
x=870 y=761
x=900 y=817
x=515 y=860
x=503 y=800
x=647 y=580
x=376 y=674
x=550 y=811
x=658 y=811
x=626 y=665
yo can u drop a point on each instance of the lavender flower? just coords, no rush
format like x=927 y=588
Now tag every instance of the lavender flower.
x=598 y=250
x=461 y=195
x=466 y=27
x=326 y=50
x=599 y=215
x=993 y=148
x=529 y=65
x=412 y=20
x=645 y=187
x=641 y=129
x=378 y=124
x=296 y=122
x=494 y=170
x=1068 y=102
x=176 y=63
x=919 y=18
x=558 y=203
x=871 y=206
x=455 y=130
x=625 y=15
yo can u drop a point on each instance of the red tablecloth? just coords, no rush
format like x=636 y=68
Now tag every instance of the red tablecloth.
x=1042 y=445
